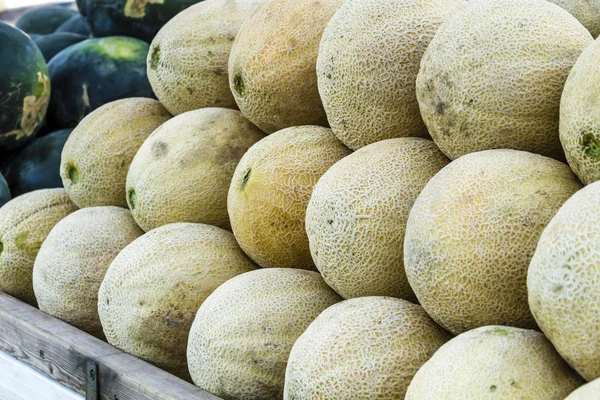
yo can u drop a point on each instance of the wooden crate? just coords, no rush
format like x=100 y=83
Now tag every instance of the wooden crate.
x=61 y=352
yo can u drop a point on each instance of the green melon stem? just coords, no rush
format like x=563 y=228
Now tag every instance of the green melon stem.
x=591 y=146
x=1 y=247
x=240 y=86
x=132 y=199
x=72 y=173
x=246 y=178
x=154 y=57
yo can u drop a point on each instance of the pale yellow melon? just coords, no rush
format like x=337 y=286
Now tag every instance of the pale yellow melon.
x=356 y=217
x=25 y=222
x=362 y=349
x=495 y=363
x=562 y=282
x=187 y=61
x=270 y=191
x=368 y=63
x=472 y=232
x=272 y=66
x=97 y=155
x=154 y=287
x=73 y=260
x=243 y=333
x=183 y=170
x=590 y=391
x=579 y=118
x=493 y=75
x=586 y=11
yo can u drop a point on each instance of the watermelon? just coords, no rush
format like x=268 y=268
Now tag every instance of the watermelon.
x=37 y=166
x=4 y=192
x=76 y=24
x=52 y=44
x=44 y=20
x=141 y=19
x=24 y=88
x=94 y=72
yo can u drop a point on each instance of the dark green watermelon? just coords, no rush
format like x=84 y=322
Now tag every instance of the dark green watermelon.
x=4 y=192
x=44 y=20
x=76 y=24
x=141 y=19
x=52 y=44
x=37 y=166
x=24 y=88
x=94 y=72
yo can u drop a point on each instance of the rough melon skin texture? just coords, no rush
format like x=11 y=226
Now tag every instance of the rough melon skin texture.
x=368 y=63
x=273 y=62
x=356 y=217
x=98 y=153
x=579 y=119
x=472 y=232
x=493 y=75
x=586 y=11
x=562 y=282
x=73 y=260
x=183 y=170
x=243 y=333
x=270 y=191
x=25 y=222
x=362 y=349
x=590 y=391
x=495 y=362
x=187 y=62
x=154 y=287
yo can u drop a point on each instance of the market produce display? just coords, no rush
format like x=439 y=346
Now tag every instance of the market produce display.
x=300 y=200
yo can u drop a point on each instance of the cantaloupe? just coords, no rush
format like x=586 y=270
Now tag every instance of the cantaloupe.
x=270 y=191
x=493 y=75
x=562 y=282
x=273 y=61
x=472 y=232
x=586 y=11
x=368 y=63
x=590 y=391
x=98 y=153
x=154 y=287
x=73 y=260
x=243 y=333
x=362 y=349
x=24 y=224
x=495 y=362
x=356 y=216
x=187 y=62
x=183 y=170
x=579 y=119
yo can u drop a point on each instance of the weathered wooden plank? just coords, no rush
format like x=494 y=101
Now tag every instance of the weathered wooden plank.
x=59 y=351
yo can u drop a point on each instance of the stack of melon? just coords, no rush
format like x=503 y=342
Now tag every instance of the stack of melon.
x=340 y=200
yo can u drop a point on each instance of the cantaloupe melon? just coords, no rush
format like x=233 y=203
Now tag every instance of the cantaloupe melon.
x=270 y=191
x=187 y=62
x=362 y=349
x=356 y=217
x=586 y=11
x=183 y=170
x=24 y=224
x=562 y=282
x=472 y=232
x=243 y=333
x=98 y=153
x=73 y=260
x=495 y=362
x=493 y=75
x=590 y=391
x=154 y=287
x=273 y=61
x=579 y=119
x=368 y=63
